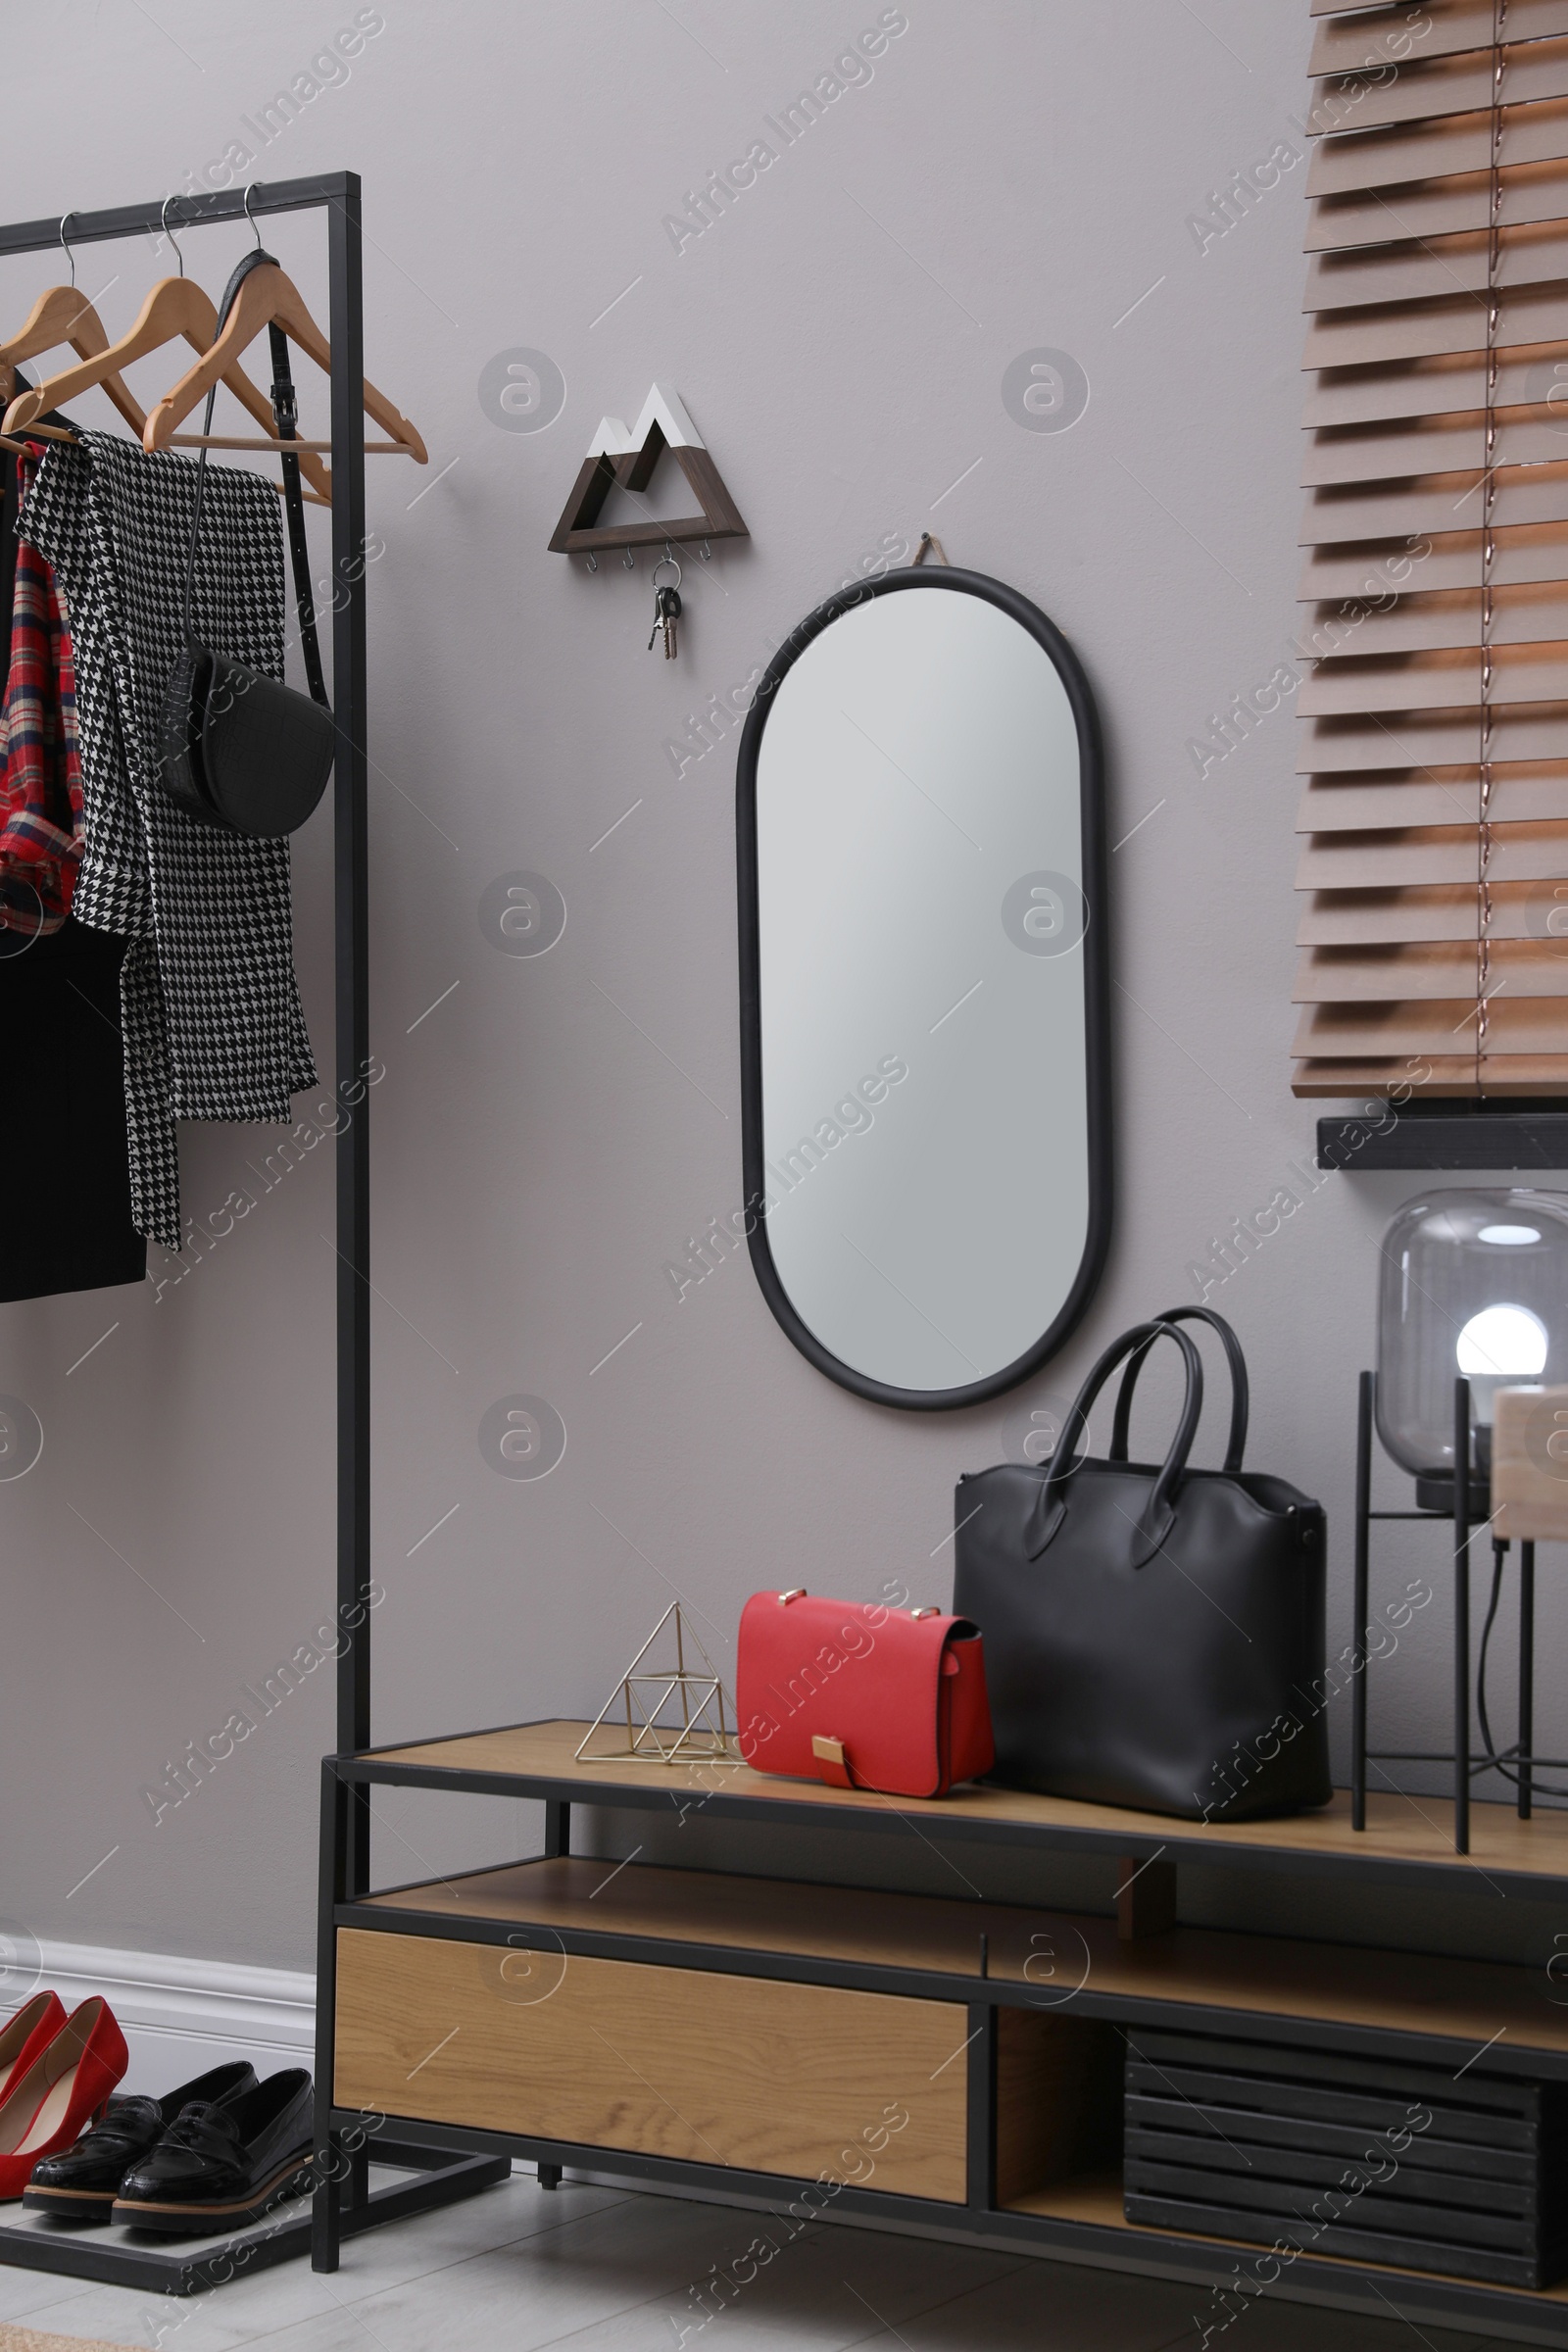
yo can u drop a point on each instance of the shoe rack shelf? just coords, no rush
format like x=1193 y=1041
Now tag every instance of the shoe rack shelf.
x=116 y=2257
x=943 y=2066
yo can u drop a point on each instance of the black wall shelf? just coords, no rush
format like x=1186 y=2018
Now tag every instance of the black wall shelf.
x=1447 y=1136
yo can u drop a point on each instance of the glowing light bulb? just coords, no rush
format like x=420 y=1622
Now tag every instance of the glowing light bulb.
x=1506 y=1342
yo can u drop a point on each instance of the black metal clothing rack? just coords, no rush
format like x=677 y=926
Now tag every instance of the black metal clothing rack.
x=1467 y=1508
x=440 y=2177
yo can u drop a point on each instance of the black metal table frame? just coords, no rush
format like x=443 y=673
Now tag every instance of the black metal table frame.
x=338 y=194
x=1340 y=2284
x=1518 y=1761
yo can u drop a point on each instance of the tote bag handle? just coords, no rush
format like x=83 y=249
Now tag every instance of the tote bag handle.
x=1155 y=1522
x=1239 y=1388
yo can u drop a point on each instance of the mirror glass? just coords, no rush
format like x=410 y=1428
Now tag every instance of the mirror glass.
x=923 y=1021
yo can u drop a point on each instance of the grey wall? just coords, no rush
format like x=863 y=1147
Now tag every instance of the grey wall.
x=550 y=1131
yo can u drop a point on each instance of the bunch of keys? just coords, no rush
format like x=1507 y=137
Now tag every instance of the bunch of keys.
x=666 y=607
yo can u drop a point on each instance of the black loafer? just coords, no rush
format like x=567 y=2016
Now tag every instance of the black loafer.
x=219 y=2167
x=82 y=2183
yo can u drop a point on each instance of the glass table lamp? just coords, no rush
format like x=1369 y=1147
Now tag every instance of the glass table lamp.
x=1472 y=1303
x=1475 y=1286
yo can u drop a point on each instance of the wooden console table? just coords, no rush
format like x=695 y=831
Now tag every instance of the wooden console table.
x=942 y=2066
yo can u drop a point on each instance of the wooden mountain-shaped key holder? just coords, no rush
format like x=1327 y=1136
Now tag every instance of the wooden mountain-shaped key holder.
x=619 y=459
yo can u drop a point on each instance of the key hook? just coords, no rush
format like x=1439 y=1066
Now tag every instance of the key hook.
x=629 y=561
x=164 y=231
x=65 y=248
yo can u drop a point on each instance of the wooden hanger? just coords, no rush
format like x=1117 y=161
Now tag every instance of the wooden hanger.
x=64 y=314
x=36 y=433
x=175 y=306
x=264 y=296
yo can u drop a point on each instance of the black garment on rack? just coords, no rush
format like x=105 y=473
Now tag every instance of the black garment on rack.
x=65 y=1164
x=65 y=1161
x=210 y=1006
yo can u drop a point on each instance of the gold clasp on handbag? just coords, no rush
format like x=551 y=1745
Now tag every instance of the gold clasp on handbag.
x=931 y=1611
x=796 y=1593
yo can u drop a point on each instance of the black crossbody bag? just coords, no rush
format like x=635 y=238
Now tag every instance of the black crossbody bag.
x=239 y=750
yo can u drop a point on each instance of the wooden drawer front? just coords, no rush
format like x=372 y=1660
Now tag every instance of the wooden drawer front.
x=773 y=2077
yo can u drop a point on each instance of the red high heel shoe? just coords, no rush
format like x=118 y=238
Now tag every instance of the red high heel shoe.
x=29 y=2029
x=49 y=2105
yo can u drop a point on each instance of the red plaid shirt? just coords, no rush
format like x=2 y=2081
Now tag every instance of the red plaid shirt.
x=40 y=772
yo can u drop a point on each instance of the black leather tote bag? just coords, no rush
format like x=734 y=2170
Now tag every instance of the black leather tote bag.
x=1153 y=1633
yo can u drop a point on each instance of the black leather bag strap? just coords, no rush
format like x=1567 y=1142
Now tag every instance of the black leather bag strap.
x=1154 y=1524
x=286 y=415
x=1240 y=1394
x=286 y=418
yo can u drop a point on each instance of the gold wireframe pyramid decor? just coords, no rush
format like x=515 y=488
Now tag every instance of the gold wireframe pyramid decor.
x=664 y=1713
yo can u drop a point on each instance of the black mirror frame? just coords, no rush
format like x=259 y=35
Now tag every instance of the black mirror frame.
x=1097 y=996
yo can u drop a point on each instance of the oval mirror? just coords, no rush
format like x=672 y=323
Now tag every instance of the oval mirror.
x=923 y=1018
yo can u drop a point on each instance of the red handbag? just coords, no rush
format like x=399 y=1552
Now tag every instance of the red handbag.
x=861 y=1695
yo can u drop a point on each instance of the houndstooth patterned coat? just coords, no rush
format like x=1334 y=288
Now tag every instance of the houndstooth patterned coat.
x=212 y=1023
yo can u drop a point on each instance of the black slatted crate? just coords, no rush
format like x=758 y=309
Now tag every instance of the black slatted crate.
x=1463 y=2173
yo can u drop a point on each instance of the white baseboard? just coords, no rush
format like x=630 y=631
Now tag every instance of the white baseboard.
x=180 y=2017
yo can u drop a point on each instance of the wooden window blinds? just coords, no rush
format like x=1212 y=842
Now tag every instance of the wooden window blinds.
x=1435 y=709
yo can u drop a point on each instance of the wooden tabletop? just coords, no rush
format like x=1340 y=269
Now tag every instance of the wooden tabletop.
x=1416 y=1833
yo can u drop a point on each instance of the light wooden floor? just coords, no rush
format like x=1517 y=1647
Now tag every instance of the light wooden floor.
x=591 y=2270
